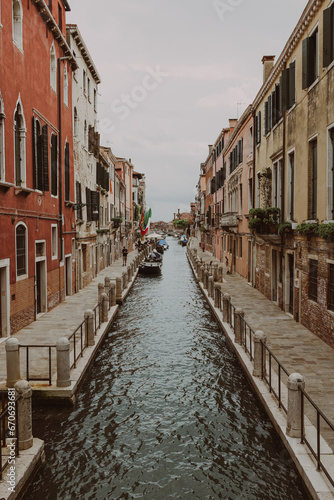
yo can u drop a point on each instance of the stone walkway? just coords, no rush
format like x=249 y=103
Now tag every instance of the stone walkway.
x=297 y=349
x=61 y=321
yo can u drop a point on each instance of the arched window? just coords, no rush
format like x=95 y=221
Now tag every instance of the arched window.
x=75 y=122
x=85 y=135
x=21 y=250
x=65 y=86
x=53 y=68
x=54 y=165
x=2 y=140
x=20 y=145
x=17 y=23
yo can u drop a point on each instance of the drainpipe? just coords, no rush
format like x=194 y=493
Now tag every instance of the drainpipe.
x=60 y=170
x=253 y=186
x=283 y=205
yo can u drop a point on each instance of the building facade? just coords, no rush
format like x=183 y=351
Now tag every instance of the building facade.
x=37 y=229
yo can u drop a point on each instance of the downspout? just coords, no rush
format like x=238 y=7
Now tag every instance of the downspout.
x=283 y=206
x=253 y=188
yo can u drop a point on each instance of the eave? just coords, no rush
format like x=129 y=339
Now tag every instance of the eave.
x=77 y=37
x=54 y=29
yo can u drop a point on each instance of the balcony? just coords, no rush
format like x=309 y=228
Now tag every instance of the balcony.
x=229 y=219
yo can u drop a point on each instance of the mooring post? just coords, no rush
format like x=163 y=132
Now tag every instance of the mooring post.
x=105 y=303
x=13 y=361
x=226 y=307
x=118 y=289
x=259 y=338
x=24 y=413
x=113 y=295
x=296 y=381
x=63 y=362
x=238 y=325
x=89 y=327
x=100 y=289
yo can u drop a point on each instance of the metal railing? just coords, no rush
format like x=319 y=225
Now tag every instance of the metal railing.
x=247 y=337
x=9 y=428
x=315 y=450
x=269 y=378
x=29 y=377
x=79 y=342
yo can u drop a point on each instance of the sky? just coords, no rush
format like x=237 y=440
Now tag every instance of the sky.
x=173 y=72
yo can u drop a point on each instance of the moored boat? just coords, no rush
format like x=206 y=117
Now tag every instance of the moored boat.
x=152 y=264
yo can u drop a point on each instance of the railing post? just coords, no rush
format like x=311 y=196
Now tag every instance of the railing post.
x=220 y=273
x=106 y=284
x=13 y=361
x=201 y=274
x=293 y=427
x=259 y=338
x=124 y=283
x=100 y=288
x=63 y=362
x=215 y=272
x=210 y=286
x=105 y=302
x=217 y=295
x=112 y=295
x=226 y=307
x=89 y=327
x=238 y=325
x=24 y=413
x=118 y=289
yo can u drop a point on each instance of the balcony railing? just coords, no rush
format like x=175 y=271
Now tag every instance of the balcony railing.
x=229 y=219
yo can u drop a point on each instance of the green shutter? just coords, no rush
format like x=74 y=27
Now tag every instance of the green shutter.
x=265 y=124
x=327 y=37
x=88 y=204
x=45 y=149
x=34 y=152
x=285 y=89
x=292 y=84
x=305 y=62
x=67 y=172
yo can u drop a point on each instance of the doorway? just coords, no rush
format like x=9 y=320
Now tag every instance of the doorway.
x=68 y=275
x=249 y=262
x=274 y=276
x=4 y=298
x=290 y=282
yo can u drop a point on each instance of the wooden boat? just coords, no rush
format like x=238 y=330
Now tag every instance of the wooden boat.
x=152 y=264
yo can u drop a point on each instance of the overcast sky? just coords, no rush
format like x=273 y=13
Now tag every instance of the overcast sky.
x=173 y=73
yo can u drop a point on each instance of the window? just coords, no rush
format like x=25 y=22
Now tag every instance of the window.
x=40 y=156
x=53 y=68
x=250 y=141
x=84 y=81
x=258 y=190
x=312 y=184
x=75 y=122
x=65 y=86
x=330 y=299
x=240 y=246
x=21 y=250
x=84 y=258
x=289 y=86
x=291 y=185
x=328 y=36
x=67 y=172
x=54 y=165
x=50 y=4
x=20 y=146
x=95 y=100
x=313 y=280
x=54 y=242
x=2 y=140
x=17 y=23
x=310 y=59
x=250 y=194
x=330 y=171
x=85 y=135
x=277 y=184
x=88 y=89
x=258 y=127
x=78 y=199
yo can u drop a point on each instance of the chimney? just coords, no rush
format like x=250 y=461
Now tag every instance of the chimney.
x=268 y=63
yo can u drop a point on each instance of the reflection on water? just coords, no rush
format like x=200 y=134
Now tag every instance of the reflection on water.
x=165 y=412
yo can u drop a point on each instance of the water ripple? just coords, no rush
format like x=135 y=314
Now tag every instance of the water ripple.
x=166 y=411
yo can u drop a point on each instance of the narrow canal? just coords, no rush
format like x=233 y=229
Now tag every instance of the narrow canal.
x=165 y=412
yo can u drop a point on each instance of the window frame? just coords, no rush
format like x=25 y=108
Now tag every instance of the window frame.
x=53 y=68
x=54 y=241
x=24 y=275
x=17 y=36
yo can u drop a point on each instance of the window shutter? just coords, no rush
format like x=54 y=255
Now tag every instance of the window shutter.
x=328 y=37
x=258 y=127
x=285 y=89
x=78 y=199
x=95 y=205
x=292 y=84
x=270 y=113
x=305 y=69
x=280 y=97
x=273 y=107
x=265 y=124
x=45 y=153
x=241 y=149
x=34 y=152
x=67 y=172
x=89 y=204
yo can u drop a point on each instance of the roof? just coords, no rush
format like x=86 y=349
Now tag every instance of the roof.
x=73 y=30
x=55 y=30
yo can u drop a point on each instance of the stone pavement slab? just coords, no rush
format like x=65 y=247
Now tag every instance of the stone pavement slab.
x=60 y=321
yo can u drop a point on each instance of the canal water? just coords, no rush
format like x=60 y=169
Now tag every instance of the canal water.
x=166 y=412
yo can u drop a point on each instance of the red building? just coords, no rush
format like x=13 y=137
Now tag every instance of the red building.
x=36 y=160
